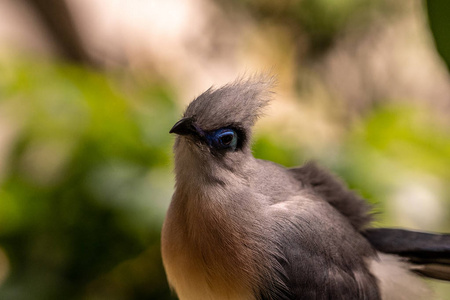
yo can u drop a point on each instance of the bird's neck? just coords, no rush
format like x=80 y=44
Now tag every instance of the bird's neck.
x=212 y=238
x=214 y=208
x=212 y=205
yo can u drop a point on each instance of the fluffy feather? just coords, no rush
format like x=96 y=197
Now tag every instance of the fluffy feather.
x=240 y=102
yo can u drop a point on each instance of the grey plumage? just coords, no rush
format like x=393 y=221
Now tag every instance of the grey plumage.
x=244 y=228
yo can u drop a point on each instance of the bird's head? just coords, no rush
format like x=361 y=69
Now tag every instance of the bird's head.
x=216 y=127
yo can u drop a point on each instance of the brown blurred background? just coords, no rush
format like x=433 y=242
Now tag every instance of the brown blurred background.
x=90 y=88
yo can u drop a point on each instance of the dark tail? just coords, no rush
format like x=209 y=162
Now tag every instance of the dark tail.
x=428 y=253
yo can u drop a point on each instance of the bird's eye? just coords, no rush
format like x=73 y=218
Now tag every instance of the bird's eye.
x=225 y=139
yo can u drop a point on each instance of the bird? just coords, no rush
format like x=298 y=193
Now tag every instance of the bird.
x=239 y=227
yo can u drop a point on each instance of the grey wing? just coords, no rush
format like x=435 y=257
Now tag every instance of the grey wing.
x=335 y=192
x=321 y=255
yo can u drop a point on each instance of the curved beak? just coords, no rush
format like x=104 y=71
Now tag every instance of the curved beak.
x=184 y=127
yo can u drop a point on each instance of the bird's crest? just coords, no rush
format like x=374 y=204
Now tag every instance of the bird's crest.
x=238 y=103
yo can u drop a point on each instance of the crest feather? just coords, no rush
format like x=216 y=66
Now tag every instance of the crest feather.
x=238 y=103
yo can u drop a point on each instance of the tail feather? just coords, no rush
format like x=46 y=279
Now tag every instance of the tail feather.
x=436 y=271
x=428 y=253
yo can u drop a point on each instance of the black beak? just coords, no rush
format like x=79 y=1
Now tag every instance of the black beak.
x=184 y=127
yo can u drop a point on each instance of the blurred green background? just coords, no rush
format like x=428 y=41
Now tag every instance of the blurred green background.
x=90 y=89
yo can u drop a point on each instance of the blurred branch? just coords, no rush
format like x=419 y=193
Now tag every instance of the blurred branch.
x=438 y=18
x=56 y=17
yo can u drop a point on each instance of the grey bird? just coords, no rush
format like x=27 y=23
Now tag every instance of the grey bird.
x=244 y=228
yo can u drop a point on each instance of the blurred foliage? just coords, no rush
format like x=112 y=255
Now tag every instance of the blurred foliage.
x=388 y=146
x=316 y=24
x=86 y=184
x=438 y=12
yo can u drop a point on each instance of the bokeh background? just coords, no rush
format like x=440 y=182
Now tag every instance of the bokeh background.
x=90 y=88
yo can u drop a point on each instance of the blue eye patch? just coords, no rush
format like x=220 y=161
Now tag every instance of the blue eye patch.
x=224 y=138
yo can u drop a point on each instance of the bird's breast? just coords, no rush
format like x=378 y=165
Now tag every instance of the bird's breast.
x=203 y=256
